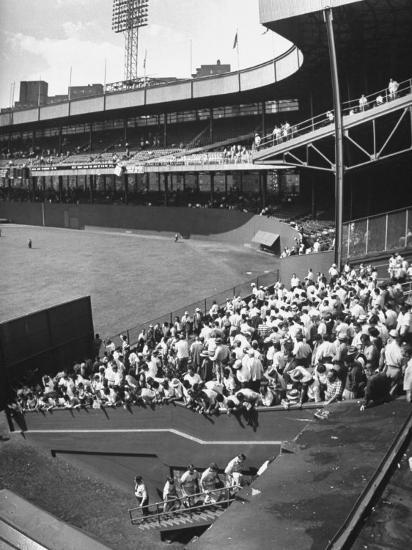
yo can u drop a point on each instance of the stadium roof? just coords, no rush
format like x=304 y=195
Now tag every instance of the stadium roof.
x=373 y=40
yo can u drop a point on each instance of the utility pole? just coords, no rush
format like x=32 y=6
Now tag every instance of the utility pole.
x=339 y=167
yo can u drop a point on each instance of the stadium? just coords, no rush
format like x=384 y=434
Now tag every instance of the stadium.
x=240 y=241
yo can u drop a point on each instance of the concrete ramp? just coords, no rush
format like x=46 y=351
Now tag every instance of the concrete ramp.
x=25 y=526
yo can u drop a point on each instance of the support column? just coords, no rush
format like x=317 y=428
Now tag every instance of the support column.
x=225 y=185
x=166 y=181
x=263 y=118
x=314 y=206
x=92 y=186
x=125 y=130
x=125 y=188
x=339 y=168
x=263 y=188
x=211 y=125
x=8 y=187
x=60 y=180
x=31 y=184
x=90 y=138
x=212 y=186
x=60 y=145
x=165 y=131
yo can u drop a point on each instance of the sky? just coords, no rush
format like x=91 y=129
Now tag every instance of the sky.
x=44 y=39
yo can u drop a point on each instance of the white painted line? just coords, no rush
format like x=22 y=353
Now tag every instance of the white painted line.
x=160 y=430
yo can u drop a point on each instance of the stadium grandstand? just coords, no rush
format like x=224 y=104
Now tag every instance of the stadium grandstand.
x=273 y=417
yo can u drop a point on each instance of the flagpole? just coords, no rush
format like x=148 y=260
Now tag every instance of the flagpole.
x=236 y=45
x=70 y=81
x=38 y=94
x=191 y=57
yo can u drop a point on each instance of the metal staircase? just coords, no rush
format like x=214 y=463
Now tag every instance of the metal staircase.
x=202 y=509
x=379 y=130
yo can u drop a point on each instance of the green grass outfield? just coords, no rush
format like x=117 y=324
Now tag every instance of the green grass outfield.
x=130 y=277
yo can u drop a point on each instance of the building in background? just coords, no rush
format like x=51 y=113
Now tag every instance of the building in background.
x=207 y=70
x=78 y=92
x=57 y=98
x=32 y=93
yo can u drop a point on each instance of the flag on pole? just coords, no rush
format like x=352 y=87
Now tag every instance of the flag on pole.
x=235 y=43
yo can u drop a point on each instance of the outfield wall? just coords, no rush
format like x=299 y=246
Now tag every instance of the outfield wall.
x=223 y=225
x=45 y=341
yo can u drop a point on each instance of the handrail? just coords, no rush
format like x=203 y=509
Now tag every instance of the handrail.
x=348 y=108
x=187 y=510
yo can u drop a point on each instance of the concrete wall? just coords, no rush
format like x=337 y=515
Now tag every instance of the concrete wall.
x=28 y=213
x=301 y=264
x=221 y=225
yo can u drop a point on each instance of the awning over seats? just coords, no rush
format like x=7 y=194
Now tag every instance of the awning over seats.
x=266 y=238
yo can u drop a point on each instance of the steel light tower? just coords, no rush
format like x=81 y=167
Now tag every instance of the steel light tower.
x=128 y=16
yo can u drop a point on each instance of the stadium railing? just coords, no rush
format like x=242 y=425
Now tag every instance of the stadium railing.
x=390 y=232
x=348 y=108
x=242 y=289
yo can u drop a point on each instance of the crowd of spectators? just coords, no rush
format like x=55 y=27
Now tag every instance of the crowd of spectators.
x=346 y=335
x=308 y=245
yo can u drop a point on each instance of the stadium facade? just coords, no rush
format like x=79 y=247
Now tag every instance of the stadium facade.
x=373 y=40
x=88 y=137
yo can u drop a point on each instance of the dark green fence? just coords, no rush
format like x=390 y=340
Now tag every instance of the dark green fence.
x=382 y=233
x=242 y=290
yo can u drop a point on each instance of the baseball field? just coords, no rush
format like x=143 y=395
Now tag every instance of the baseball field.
x=130 y=277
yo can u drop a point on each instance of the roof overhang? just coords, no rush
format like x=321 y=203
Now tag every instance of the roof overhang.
x=373 y=41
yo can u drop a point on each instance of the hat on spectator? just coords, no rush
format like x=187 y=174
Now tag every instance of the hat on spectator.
x=342 y=335
x=293 y=396
x=393 y=333
x=362 y=318
x=237 y=364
